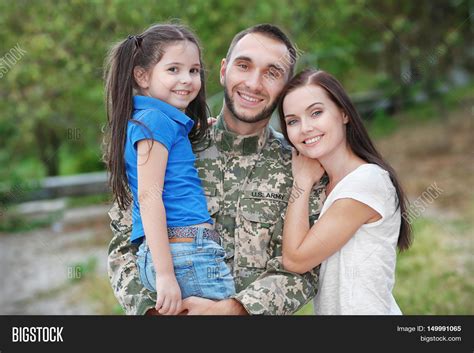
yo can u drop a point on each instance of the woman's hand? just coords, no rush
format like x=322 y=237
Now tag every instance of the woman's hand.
x=168 y=295
x=306 y=171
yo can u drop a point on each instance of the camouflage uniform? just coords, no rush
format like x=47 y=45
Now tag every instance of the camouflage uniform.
x=247 y=182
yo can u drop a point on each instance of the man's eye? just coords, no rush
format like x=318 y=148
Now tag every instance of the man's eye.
x=243 y=66
x=273 y=73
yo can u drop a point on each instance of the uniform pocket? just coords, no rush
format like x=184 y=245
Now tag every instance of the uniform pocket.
x=212 y=201
x=259 y=217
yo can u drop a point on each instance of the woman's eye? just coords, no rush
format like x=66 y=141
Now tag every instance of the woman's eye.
x=316 y=113
x=291 y=122
x=173 y=69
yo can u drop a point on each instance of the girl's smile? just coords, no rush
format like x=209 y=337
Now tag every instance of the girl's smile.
x=176 y=78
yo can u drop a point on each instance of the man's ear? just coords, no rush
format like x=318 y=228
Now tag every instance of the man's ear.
x=141 y=77
x=222 y=71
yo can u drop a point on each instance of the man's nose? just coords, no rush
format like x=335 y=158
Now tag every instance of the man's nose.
x=254 y=81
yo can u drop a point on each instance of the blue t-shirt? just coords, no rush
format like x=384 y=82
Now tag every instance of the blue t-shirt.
x=183 y=195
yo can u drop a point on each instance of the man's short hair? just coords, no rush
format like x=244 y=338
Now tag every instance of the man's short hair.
x=270 y=31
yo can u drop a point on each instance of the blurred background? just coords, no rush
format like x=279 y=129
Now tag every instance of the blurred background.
x=407 y=65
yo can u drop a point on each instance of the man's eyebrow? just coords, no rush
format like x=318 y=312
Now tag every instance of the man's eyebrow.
x=243 y=58
x=276 y=67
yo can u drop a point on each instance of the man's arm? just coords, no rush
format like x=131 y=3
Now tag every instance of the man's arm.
x=277 y=291
x=202 y=306
x=123 y=272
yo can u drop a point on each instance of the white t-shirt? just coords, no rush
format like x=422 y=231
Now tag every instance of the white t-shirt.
x=359 y=278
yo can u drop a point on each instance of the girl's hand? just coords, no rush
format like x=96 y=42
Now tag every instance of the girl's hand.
x=306 y=171
x=168 y=298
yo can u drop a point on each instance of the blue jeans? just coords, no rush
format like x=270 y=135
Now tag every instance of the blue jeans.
x=199 y=268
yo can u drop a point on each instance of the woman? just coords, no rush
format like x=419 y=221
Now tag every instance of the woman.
x=360 y=224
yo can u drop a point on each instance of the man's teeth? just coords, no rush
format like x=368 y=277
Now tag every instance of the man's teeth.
x=248 y=98
x=311 y=140
x=182 y=93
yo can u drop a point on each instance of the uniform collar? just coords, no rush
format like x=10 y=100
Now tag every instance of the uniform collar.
x=143 y=103
x=228 y=141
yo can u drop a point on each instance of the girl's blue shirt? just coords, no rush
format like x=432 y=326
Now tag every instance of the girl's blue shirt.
x=183 y=195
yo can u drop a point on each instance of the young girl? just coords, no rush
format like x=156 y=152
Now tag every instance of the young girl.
x=360 y=226
x=156 y=104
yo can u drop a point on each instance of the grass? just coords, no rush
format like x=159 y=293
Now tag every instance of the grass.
x=435 y=275
x=97 y=290
x=19 y=224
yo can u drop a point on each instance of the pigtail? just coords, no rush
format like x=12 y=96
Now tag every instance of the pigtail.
x=119 y=85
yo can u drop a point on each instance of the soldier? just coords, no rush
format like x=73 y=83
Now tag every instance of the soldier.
x=245 y=168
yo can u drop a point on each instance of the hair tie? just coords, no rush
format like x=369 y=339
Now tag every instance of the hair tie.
x=137 y=40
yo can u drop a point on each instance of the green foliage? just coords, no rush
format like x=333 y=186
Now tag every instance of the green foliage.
x=88 y=200
x=381 y=125
x=52 y=97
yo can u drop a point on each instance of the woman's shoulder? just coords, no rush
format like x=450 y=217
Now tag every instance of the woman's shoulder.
x=370 y=172
x=370 y=177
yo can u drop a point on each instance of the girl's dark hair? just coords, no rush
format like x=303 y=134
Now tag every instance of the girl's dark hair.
x=357 y=137
x=144 y=50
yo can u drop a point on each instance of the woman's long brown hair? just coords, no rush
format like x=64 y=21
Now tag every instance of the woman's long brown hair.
x=357 y=137
x=144 y=50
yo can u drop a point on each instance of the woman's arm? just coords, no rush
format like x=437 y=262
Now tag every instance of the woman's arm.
x=152 y=160
x=304 y=248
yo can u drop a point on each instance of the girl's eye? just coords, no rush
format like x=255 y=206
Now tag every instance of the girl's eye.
x=195 y=71
x=173 y=69
x=316 y=113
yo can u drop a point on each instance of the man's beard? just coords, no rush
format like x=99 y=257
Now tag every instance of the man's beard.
x=264 y=114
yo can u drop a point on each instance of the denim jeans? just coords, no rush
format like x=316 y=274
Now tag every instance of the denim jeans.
x=199 y=268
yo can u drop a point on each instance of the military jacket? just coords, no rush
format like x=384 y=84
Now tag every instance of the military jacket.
x=248 y=182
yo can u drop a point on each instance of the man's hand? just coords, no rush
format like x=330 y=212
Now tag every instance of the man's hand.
x=202 y=306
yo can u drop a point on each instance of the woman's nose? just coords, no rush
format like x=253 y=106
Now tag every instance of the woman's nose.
x=306 y=126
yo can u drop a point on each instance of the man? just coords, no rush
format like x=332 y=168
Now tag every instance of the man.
x=245 y=168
